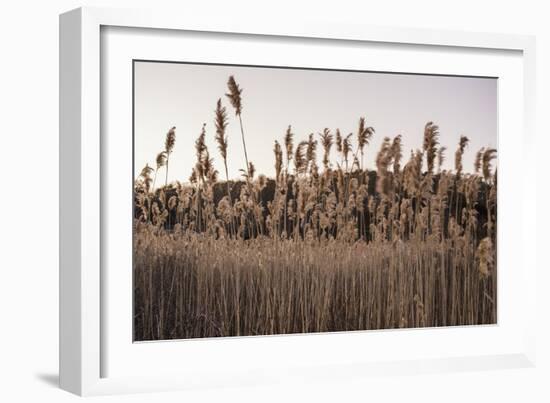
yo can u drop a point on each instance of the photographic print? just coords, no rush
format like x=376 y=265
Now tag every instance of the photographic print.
x=273 y=200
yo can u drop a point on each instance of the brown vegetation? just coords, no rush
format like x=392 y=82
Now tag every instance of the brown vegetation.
x=315 y=249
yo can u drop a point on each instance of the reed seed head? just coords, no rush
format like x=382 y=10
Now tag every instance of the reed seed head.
x=234 y=95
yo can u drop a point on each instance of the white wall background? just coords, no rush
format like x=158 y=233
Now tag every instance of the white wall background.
x=29 y=201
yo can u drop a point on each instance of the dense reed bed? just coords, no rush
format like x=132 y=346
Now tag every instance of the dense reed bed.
x=314 y=248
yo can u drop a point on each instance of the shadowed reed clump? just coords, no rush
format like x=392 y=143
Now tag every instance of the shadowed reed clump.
x=315 y=248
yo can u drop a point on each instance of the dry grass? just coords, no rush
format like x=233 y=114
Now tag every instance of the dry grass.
x=189 y=285
x=313 y=250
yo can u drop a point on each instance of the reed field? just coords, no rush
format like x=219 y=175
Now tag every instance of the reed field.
x=323 y=245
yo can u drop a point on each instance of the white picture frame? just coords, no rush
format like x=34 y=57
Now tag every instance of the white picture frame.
x=83 y=310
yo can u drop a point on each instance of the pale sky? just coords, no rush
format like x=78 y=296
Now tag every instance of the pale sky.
x=185 y=96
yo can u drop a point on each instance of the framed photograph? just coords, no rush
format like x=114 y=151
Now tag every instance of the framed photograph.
x=245 y=202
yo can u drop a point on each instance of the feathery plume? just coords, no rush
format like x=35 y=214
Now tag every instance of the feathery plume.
x=311 y=151
x=463 y=142
x=488 y=156
x=382 y=162
x=193 y=178
x=326 y=142
x=146 y=171
x=396 y=153
x=161 y=159
x=170 y=140
x=146 y=176
x=234 y=95
x=289 y=144
x=339 y=145
x=200 y=144
x=208 y=168
x=477 y=161
x=431 y=140
x=235 y=98
x=300 y=161
x=169 y=144
x=346 y=148
x=277 y=150
x=220 y=122
x=251 y=170
x=364 y=135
